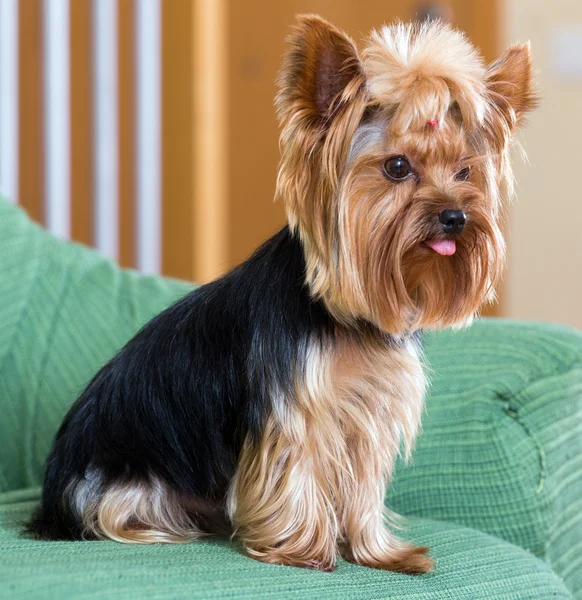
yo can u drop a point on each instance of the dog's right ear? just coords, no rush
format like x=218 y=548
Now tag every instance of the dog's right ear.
x=321 y=71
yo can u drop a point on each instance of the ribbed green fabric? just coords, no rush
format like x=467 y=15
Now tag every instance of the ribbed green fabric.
x=471 y=566
x=502 y=444
x=64 y=311
x=501 y=450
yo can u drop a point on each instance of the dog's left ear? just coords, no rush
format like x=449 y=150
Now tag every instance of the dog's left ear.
x=321 y=71
x=510 y=82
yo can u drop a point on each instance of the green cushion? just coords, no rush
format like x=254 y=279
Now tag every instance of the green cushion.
x=502 y=446
x=470 y=565
x=64 y=312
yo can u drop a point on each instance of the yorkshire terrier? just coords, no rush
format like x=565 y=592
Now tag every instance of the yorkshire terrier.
x=271 y=404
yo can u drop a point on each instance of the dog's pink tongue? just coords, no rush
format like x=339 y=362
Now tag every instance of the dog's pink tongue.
x=444 y=247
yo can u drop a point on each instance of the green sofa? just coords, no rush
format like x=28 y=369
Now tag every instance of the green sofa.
x=495 y=486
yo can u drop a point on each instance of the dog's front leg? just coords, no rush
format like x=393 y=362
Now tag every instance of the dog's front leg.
x=368 y=540
x=278 y=509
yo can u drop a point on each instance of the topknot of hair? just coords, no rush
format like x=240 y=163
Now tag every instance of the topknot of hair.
x=420 y=70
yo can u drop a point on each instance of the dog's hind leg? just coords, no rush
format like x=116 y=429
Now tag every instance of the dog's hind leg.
x=138 y=512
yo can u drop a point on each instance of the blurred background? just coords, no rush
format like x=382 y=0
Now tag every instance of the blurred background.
x=145 y=128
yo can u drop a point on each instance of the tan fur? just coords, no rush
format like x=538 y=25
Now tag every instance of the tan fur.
x=137 y=512
x=316 y=480
x=420 y=70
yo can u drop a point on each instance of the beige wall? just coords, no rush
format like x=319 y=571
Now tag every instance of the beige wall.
x=544 y=278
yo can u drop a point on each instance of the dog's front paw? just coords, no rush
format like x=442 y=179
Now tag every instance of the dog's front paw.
x=275 y=557
x=412 y=560
x=319 y=565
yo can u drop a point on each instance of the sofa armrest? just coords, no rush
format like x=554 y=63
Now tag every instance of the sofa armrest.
x=502 y=444
x=549 y=410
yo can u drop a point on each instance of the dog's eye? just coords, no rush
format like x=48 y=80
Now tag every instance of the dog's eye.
x=463 y=174
x=397 y=168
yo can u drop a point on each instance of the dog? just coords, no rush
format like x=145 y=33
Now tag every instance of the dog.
x=272 y=403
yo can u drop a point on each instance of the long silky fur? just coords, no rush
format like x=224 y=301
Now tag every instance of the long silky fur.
x=272 y=403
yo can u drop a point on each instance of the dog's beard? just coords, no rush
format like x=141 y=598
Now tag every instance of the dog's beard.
x=408 y=285
x=449 y=290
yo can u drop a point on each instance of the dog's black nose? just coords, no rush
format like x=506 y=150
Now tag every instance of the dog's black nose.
x=452 y=221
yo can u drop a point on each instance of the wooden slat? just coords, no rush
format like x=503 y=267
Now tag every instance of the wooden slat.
x=486 y=28
x=31 y=137
x=81 y=122
x=463 y=15
x=177 y=138
x=126 y=74
x=257 y=31
x=211 y=185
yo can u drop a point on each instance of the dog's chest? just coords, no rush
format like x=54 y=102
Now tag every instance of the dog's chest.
x=360 y=392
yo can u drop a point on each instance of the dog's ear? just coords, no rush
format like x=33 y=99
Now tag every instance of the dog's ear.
x=320 y=103
x=510 y=82
x=321 y=71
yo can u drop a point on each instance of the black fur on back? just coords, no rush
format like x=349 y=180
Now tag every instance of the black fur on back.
x=179 y=399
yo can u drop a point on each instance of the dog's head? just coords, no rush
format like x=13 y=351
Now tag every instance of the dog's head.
x=394 y=168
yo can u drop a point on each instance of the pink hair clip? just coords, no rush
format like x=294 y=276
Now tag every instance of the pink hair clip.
x=433 y=122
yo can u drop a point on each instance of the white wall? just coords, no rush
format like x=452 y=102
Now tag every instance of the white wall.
x=544 y=278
